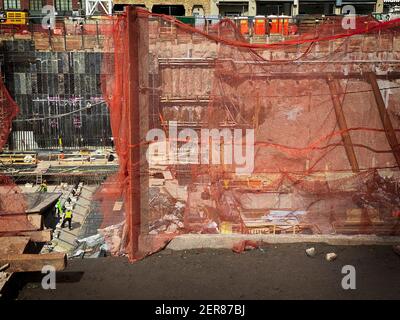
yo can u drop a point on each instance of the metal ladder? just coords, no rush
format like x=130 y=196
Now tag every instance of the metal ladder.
x=39 y=178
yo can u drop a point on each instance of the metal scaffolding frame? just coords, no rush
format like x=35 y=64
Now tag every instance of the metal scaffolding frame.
x=92 y=5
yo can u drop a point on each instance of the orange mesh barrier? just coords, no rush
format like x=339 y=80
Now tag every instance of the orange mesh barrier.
x=323 y=159
x=12 y=202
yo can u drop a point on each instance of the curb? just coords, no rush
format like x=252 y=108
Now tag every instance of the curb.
x=221 y=241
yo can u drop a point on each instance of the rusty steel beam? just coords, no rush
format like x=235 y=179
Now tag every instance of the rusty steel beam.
x=341 y=120
x=132 y=99
x=384 y=115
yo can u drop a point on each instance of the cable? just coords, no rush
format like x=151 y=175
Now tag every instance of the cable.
x=60 y=115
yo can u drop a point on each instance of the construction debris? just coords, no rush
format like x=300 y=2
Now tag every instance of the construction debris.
x=161 y=203
x=90 y=247
x=311 y=252
x=330 y=256
x=112 y=236
x=245 y=245
x=106 y=241
x=378 y=192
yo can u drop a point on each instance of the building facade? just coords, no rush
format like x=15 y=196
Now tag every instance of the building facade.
x=35 y=6
x=214 y=7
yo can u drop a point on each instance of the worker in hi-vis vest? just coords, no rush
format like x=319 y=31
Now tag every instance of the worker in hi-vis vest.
x=67 y=218
x=43 y=186
x=59 y=209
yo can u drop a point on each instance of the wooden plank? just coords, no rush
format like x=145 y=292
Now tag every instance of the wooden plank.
x=385 y=119
x=38 y=236
x=47 y=200
x=341 y=120
x=34 y=262
x=36 y=220
x=12 y=245
x=4 y=277
x=4 y=267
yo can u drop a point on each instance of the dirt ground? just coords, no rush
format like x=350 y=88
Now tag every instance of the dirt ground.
x=275 y=272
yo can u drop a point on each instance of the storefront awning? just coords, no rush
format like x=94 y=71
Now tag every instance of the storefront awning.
x=232 y=3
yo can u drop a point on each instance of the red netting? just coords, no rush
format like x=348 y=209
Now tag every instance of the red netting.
x=12 y=202
x=325 y=157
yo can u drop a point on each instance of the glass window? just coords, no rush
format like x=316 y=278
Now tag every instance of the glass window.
x=12 y=4
x=35 y=5
x=63 y=5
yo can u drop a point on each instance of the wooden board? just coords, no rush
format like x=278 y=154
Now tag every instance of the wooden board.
x=12 y=223
x=37 y=236
x=12 y=245
x=36 y=220
x=34 y=262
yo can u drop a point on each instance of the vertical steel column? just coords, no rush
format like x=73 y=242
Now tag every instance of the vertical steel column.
x=133 y=196
x=341 y=120
x=386 y=123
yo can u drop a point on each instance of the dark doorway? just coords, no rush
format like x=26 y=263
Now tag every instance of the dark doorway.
x=178 y=10
x=274 y=8
x=316 y=7
x=364 y=9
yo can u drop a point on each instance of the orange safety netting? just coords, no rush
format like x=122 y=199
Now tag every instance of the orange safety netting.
x=12 y=202
x=322 y=162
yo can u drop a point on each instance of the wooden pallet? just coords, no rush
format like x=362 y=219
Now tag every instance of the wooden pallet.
x=18 y=159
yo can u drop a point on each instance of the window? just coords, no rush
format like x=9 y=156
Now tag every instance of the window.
x=63 y=5
x=12 y=4
x=35 y=5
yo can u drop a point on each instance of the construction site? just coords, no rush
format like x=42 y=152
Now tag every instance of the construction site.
x=140 y=136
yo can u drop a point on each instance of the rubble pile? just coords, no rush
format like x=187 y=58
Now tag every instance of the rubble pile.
x=169 y=209
x=379 y=192
x=113 y=237
x=90 y=247
x=106 y=241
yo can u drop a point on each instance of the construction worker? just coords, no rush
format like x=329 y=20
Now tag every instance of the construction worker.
x=60 y=143
x=59 y=209
x=67 y=218
x=43 y=186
